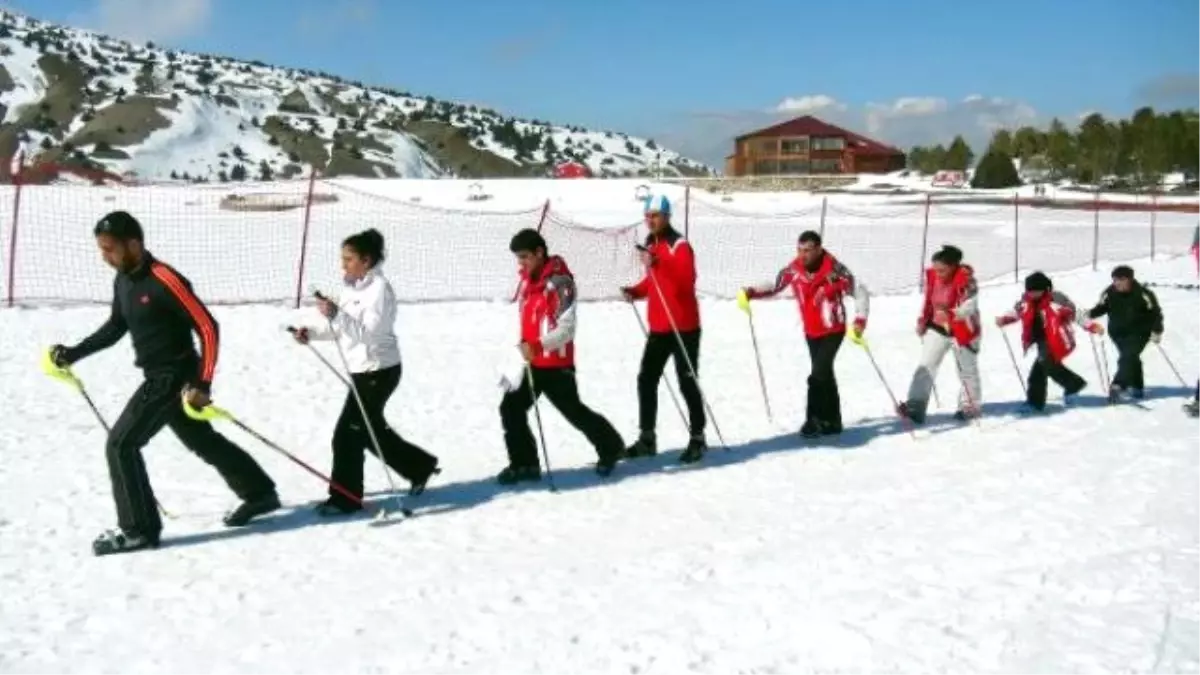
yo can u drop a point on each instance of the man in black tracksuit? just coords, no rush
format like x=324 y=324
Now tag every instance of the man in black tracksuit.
x=155 y=305
x=1134 y=319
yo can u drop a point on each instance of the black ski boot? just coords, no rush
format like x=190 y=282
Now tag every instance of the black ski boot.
x=905 y=411
x=1114 y=393
x=645 y=446
x=251 y=509
x=606 y=465
x=119 y=541
x=694 y=452
x=335 y=506
x=1192 y=408
x=810 y=429
x=512 y=474
x=419 y=483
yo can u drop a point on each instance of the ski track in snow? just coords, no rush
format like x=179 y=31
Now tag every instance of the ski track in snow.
x=1057 y=543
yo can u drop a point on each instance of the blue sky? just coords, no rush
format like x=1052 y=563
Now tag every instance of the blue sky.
x=693 y=74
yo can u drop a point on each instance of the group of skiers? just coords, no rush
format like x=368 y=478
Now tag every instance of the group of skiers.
x=156 y=306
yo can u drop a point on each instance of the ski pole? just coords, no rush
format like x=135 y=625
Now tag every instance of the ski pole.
x=67 y=376
x=743 y=301
x=362 y=409
x=1101 y=368
x=1012 y=355
x=686 y=359
x=666 y=380
x=537 y=418
x=862 y=342
x=294 y=331
x=962 y=380
x=212 y=413
x=1171 y=364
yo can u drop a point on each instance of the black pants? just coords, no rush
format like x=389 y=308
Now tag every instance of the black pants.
x=1129 y=361
x=562 y=390
x=659 y=348
x=824 y=402
x=156 y=404
x=1045 y=369
x=351 y=438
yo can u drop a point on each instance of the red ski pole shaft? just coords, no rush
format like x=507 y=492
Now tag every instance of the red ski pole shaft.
x=272 y=445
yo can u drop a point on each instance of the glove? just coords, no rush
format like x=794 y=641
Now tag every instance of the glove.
x=860 y=326
x=627 y=293
x=750 y=293
x=1096 y=329
x=197 y=395
x=512 y=371
x=1156 y=338
x=1004 y=320
x=300 y=335
x=922 y=326
x=60 y=355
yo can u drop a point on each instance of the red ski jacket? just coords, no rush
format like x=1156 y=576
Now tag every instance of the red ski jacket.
x=960 y=297
x=1057 y=313
x=674 y=268
x=820 y=295
x=547 y=306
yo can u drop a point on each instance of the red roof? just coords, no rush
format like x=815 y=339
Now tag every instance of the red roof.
x=572 y=170
x=811 y=126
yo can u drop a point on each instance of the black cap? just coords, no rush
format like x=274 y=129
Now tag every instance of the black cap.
x=949 y=255
x=1122 y=272
x=1038 y=282
x=119 y=225
x=527 y=240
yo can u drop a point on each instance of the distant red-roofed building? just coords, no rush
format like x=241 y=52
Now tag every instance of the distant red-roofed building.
x=572 y=170
x=807 y=145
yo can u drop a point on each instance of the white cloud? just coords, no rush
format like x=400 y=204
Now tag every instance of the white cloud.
x=141 y=20
x=809 y=105
x=903 y=122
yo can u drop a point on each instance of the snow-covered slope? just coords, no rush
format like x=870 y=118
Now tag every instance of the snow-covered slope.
x=74 y=95
x=1062 y=542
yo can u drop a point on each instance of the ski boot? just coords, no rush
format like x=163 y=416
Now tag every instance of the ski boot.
x=694 y=452
x=120 y=541
x=645 y=446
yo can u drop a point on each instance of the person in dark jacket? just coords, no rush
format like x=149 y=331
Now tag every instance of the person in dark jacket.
x=1134 y=319
x=157 y=307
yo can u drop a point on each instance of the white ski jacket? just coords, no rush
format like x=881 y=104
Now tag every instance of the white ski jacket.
x=364 y=325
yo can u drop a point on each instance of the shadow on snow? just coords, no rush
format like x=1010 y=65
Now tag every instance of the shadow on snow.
x=464 y=495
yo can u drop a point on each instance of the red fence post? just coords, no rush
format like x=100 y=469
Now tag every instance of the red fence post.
x=1096 y=233
x=824 y=206
x=308 y=202
x=924 y=244
x=18 y=167
x=1016 y=237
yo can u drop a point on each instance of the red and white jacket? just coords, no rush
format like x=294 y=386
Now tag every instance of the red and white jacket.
x=1057 y=313
x=547 y=307
x=959 y=296
x=821 y=295
x=674 y=268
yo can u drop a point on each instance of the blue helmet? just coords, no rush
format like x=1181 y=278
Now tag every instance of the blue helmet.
x=658 y=203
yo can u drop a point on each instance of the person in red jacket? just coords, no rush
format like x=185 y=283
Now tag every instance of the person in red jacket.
x=673 y=312
x=820 y=283
x=1046 y=316
x=548 y=316
x=949 y=322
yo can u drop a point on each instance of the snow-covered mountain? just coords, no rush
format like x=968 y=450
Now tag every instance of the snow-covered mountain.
x=71 y=96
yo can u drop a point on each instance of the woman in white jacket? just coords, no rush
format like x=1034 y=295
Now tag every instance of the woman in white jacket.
x=362 y=321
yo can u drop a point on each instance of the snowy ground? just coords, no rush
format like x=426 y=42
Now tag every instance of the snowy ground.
x=1063 y=543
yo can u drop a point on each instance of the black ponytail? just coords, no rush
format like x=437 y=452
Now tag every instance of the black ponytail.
x=368 y=244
